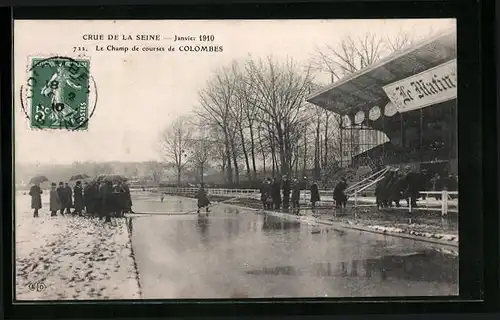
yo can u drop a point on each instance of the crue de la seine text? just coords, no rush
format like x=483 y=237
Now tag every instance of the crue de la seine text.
x=182 y=43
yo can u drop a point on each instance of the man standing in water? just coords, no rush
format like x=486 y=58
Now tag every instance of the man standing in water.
x=202 y=198
x=275 y=193
x=36 y=199
x=286 y=192
x=295 y=193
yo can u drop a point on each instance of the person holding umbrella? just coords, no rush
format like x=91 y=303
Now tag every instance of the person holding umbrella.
x=36 y=198
x=78 y=194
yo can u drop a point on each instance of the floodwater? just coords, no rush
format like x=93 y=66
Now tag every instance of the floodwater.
x=239 y=253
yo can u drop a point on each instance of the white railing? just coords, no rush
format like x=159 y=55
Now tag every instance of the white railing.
x=444 y=205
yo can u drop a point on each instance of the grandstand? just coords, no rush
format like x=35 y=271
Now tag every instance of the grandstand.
x=410 y=98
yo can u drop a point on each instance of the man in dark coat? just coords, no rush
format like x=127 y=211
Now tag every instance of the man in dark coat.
x=314 y=194
x=265 y=194
x=295 y=193
x=78 y=194
x=339 y=194
x=276 y=194
x=61 y=192
x=118 y=199
x=105 y=190
x=286 y=192
x=94 y=198
x=69 y=197
x=86 y=197
x=55 y=203
x=128 y=199
x=36 y=199
x=202 y=197
x=108 y=201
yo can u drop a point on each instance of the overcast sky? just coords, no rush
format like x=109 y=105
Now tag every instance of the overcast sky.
x=141 y=93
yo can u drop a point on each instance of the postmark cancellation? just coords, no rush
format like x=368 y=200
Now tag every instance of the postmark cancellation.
x=59 y=93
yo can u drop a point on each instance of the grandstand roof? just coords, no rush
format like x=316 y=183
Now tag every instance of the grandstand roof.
x=362 y=90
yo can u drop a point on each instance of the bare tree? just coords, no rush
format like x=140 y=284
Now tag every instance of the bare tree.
x=215 y=102
x=219 y=149
x=248 y=99
x=201 y=148
x=156 y=170
x=349 y=55
x=174 y=143
x=282 y=88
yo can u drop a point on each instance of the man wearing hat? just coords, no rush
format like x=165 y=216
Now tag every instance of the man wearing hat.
x=286 y=192
x=295 y=193
x=55 y=200
x=275 y=193
x=36 y=199
x=339 y=193
x=61 y=192
x=78 y=196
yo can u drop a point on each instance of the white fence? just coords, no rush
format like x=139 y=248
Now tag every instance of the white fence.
x=446 y=203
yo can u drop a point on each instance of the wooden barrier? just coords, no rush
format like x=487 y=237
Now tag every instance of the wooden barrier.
x=444 y=206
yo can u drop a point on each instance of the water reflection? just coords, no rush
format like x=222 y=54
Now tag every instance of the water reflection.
x=202 y=223
x=232 y=228
x=429 y=266
x=273 y=223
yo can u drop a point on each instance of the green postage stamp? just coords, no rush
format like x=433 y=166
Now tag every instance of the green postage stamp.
x=58 y=93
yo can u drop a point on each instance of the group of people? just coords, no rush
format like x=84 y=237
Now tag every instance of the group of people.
x=103 y=199
x=270 y=193
x=272 y=190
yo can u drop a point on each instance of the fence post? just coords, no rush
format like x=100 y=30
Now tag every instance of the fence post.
x=444 y=203
x=409 y=205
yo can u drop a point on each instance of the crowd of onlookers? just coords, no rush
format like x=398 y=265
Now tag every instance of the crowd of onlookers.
x=103 y=199
x=276 y=193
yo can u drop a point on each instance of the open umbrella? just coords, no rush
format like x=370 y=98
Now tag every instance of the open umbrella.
x=38 y=179
x=79 y=177
x=114 y=178
x=110 y=177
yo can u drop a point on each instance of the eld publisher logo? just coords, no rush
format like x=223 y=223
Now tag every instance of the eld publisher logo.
x=37 y=286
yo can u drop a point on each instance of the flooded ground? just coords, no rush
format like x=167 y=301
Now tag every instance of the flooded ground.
x=240 y=253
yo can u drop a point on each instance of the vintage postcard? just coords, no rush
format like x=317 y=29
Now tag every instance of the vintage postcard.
x=173 y=159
